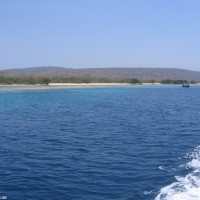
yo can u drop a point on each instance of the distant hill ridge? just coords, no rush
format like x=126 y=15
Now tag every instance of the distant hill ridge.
x=139 y=73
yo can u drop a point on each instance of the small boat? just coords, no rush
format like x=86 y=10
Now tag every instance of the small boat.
x=185 y=85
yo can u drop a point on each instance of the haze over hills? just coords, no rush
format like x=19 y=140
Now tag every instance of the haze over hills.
x=138 y=73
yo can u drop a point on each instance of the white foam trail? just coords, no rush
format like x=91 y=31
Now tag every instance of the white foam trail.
x=195 y=164
x=188 y=187
x=148 y=192
x=161 y=167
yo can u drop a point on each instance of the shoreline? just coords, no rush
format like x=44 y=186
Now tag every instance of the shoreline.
x=62 y=86
x=85 y=85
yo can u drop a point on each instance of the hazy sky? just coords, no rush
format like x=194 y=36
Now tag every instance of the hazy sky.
x=100 y=33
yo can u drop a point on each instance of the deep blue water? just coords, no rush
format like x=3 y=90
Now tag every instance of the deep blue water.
x=102 y=143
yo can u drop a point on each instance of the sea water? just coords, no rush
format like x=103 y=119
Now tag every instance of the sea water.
x=100 y=143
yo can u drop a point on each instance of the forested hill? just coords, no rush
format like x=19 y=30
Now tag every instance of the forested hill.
x=139 y=73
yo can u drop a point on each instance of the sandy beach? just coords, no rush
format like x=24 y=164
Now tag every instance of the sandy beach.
x=82 y=85
x=63 y=85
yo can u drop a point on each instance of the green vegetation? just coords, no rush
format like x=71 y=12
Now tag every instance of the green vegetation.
x=134 y=81
x=28 y=80
x=169 y=81
x=9 y=79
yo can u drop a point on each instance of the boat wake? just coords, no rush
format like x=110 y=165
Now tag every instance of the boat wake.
x=188 y=187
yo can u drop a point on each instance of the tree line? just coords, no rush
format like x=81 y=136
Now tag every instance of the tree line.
x=7 y=79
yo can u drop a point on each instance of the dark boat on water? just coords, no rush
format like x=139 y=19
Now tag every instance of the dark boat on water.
x=185 y=85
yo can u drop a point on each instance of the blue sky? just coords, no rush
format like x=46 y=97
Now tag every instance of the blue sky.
x=100 y=33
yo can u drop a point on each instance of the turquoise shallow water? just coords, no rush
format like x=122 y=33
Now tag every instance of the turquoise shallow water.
x=98 y=143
